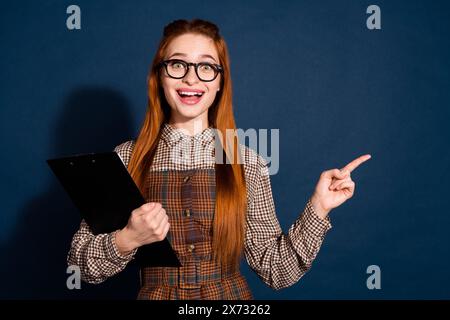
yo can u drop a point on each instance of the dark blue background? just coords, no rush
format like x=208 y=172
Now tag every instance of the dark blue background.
x=335 y=90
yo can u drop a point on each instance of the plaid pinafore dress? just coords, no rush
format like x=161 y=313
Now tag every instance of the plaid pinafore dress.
x=188 y=197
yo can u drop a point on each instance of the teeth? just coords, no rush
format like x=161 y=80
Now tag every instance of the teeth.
x=186 y=93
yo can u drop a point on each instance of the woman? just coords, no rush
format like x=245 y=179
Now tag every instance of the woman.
x=211 y=211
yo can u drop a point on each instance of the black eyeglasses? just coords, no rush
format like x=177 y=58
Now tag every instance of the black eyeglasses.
x=177 y=69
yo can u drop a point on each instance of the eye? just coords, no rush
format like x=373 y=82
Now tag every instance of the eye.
x=176 y=65
x=206 y=67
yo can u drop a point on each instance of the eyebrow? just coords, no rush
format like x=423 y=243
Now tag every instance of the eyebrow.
x=184 y=55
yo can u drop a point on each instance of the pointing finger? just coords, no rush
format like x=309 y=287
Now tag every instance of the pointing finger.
x=355 y=163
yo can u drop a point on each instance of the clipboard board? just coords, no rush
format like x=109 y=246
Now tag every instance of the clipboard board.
x=101 y=188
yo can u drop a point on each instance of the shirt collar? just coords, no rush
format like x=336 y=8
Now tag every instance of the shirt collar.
x=172 y=135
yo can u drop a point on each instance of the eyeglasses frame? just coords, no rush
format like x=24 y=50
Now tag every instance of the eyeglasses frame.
x=218 y=68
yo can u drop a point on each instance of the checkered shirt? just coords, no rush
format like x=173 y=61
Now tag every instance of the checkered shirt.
x=279 y=259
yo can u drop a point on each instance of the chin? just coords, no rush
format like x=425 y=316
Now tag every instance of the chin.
x=190 y=112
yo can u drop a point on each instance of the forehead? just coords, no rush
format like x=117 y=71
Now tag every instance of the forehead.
x=193 y=46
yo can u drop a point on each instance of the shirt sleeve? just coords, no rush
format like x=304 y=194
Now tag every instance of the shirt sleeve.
x=279 y=259
x=97 y=256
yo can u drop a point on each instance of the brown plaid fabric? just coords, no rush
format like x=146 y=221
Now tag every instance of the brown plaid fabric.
x=188 y=197
x=182 y=179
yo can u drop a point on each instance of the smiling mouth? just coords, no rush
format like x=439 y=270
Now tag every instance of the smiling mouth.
x=185 y=94
x=190 y=97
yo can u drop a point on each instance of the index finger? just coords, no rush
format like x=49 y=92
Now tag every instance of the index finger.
x=355 y=163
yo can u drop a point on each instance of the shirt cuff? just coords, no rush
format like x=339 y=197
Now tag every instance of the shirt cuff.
x=113 y=252
x=313 y=223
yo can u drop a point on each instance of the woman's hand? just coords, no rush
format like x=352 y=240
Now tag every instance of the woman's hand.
x=335 y=187
x=147 y=224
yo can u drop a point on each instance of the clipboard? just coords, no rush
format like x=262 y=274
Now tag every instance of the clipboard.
x=101 y=188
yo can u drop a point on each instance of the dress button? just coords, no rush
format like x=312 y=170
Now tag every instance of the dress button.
x=186 y=179
x=187 y=212
x=191 y=248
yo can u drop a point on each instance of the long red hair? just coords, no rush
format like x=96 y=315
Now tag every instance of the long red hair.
x=231 y=195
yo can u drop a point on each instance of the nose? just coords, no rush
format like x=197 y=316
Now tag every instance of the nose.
x=191 y=77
